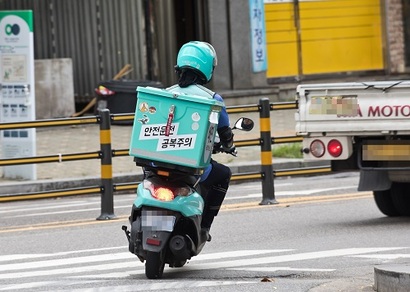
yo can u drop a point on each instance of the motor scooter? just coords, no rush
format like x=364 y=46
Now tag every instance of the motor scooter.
x=166 y=216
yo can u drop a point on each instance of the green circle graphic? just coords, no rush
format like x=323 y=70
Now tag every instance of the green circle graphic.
x=9 y=29
x=12 y=29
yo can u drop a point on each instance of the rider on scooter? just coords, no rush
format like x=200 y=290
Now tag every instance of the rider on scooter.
x=196 y=62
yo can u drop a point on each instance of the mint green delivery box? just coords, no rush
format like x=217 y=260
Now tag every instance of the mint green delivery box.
x=173 y=129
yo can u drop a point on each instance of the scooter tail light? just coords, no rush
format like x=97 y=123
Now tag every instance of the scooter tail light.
x=163 y=194
x=317 y=148
x=159 y=193
x=335 y=148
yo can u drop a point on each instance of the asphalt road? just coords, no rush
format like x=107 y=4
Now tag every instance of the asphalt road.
x=322 y=236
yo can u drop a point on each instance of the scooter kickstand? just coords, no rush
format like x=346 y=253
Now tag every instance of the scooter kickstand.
x=127 y=233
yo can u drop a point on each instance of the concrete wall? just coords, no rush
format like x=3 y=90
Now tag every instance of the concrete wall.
x=54 y=88
x=229 y=28
x=395 y=37
x=219 y=38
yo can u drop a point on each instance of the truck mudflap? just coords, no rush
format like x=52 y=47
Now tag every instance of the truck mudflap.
x=374 y=180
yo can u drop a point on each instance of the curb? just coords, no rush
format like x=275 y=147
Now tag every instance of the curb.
x=392 y=278
x=23 y=187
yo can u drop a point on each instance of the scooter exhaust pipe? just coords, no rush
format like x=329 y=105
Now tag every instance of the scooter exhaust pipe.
x=181 y=247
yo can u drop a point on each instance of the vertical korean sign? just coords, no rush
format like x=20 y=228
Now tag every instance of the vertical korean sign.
x=17 y=99
x=258 y=35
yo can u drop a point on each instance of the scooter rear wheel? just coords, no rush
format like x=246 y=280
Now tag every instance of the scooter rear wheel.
x=154 y=264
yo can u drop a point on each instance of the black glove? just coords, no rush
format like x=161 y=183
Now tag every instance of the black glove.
x=230 y=150
x=226 y=136
x=217 y=148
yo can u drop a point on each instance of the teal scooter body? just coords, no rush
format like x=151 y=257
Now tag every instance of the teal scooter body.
x=166 y=214
x=166 y=230
x=188 y=206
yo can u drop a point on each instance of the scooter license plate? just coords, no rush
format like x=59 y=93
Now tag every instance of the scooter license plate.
x=157 y=222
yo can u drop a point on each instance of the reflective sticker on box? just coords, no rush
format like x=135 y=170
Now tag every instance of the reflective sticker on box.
x=155 y=131
x=178 y=142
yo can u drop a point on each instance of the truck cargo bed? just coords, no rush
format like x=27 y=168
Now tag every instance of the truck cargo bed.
x=341 y=108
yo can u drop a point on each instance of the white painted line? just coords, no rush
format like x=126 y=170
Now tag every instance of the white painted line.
x=62 y=212
x=29 y=205
x=288 y=193
x=13 y=257
x=162 y=286
x=76 y=270
x=383 y=256
x=121 y=256
x=30 y=285
x=70 y=261
x=29 y=208
x=236 y=254
x=138 y=268
x=291 y=258
x=275 y=269
x=118 y=275
x=309 y=191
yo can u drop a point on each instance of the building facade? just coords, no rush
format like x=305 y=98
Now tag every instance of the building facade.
x=305 y=39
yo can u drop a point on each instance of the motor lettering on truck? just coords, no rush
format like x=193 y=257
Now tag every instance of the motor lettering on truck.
x=349 y=106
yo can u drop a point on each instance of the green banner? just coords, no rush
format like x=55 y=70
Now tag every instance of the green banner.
x=26 y=15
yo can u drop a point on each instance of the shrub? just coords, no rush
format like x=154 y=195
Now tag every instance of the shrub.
x=290 y=150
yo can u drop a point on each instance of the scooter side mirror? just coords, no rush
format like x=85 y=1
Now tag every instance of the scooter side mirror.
x=244 y=124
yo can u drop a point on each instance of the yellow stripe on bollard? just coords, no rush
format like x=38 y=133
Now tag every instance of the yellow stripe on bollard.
x=266 y=157
x=264 y=124
x=106 y=171
x=105 y=136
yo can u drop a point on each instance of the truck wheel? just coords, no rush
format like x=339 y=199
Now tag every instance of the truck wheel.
x=401 y=198
x=385 y=204
x=154 y=264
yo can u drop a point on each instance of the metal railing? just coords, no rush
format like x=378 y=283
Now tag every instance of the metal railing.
x=106 y=153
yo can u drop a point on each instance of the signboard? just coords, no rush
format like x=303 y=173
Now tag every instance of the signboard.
x=258 y=35
x=17 y=99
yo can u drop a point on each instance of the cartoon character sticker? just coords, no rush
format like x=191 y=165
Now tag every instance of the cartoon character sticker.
x=144 y=120
x=144 y=107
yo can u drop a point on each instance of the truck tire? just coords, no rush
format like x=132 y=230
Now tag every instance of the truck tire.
x=385 y=204
x=401 y=198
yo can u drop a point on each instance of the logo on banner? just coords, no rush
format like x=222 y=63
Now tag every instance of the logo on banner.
x=12 y=29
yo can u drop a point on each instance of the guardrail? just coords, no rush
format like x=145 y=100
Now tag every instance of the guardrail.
x=106 y=153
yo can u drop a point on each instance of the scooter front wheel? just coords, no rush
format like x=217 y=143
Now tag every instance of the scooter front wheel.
x=154 y=264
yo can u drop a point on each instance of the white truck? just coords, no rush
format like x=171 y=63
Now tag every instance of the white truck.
x=361 y=126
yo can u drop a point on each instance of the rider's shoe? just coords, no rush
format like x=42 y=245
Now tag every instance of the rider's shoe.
x=205 y=233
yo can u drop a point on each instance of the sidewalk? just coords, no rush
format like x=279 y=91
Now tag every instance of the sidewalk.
x=85 y=138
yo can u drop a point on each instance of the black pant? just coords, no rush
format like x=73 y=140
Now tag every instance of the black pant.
x=213 y=190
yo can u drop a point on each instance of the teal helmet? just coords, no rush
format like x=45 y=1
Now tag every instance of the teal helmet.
x=198 y=56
